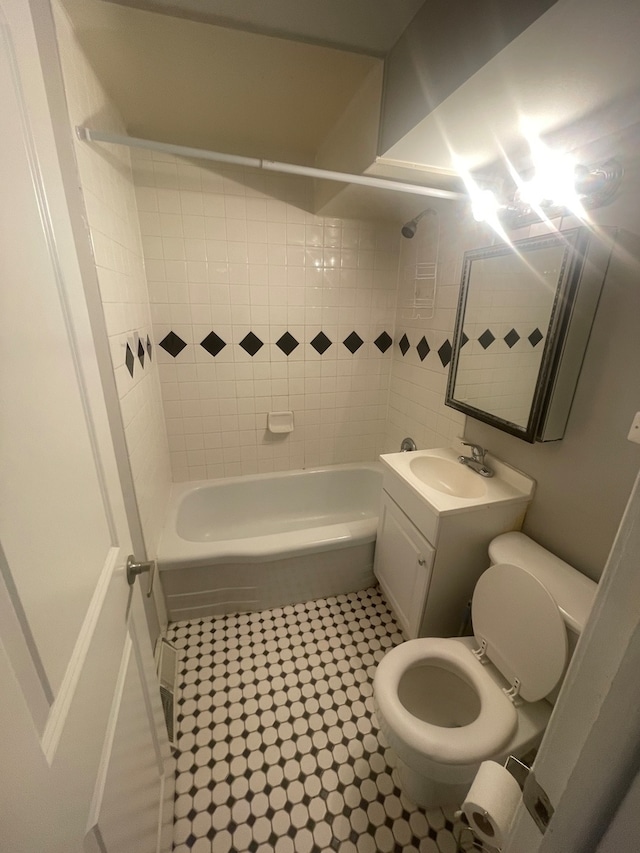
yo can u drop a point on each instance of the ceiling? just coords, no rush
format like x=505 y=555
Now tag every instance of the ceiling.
x=572 y=63
x=184 y=78
x=184 y=82
x=363 y=26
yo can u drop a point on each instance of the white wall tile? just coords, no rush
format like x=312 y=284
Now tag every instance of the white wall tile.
x=417 y=387
x=235 y=260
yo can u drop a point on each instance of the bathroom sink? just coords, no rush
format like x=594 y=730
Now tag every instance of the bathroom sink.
x=440 y=483
x=448 y=476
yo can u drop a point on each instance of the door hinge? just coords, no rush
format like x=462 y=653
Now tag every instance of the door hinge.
x=537 y=802
x=534 y=797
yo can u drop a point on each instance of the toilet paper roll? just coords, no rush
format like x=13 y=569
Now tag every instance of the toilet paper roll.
x=491 y=803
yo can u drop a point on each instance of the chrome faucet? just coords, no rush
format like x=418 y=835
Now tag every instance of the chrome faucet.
x=408 y=444
x=476 y=460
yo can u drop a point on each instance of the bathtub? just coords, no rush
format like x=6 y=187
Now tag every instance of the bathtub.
x=255 y=542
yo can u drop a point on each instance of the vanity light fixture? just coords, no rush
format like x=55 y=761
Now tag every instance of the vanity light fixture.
x=556 y=186
x=553 y=193
x=549 y=194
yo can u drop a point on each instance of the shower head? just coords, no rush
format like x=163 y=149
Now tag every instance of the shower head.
x=409 y=228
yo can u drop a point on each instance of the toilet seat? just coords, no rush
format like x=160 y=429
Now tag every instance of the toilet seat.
x=520 y=629
x=480 y=739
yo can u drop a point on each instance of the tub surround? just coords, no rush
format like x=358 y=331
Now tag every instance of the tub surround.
x=260 y=306
x=247 y=543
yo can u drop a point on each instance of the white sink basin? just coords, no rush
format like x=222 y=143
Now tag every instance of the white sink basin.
x=451 y=478
x=437 y=479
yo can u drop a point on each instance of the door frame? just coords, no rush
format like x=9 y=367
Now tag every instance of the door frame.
x=46 y=38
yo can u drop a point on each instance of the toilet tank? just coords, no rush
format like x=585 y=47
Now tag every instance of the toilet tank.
x=573 y=592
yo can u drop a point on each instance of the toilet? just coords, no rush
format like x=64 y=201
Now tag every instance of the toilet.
x=446 y=705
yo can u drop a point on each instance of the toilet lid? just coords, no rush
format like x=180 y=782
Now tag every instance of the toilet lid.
x=524 y=631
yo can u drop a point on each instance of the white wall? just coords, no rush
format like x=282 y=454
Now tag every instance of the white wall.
x=108 y=194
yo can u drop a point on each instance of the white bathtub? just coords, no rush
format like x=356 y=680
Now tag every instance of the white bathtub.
x=255 y=542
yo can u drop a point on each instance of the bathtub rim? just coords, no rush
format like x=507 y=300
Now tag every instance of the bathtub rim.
x=175 y=553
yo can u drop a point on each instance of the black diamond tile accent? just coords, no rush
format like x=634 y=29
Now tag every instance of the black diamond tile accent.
x=129 y=360
x=423 y=348
x=149 y=347
x=404 y=344
x=213 y=344
x=464 y=340
x=353 y=342
x=140 y=352
x=321 y=343
x=511 y=338
x=535 y=337
x=173 y=344
x=287 y=343
x=486 y=339
x=445 y=353
x=383 y=341
x=251 y=343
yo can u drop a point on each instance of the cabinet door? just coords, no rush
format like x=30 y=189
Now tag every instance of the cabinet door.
x=402 y=565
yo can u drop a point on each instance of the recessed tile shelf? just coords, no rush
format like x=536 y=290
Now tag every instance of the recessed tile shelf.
x=279 y=746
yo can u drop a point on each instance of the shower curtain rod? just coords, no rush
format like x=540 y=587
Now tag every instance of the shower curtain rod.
x=89 y=135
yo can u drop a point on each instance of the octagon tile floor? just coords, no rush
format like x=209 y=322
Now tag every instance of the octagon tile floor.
x=279 y=746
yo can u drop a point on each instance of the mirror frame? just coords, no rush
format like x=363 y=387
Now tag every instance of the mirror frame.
x=574 y=305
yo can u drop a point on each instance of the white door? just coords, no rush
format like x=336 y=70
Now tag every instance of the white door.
x=588 y=760
x=83 y=750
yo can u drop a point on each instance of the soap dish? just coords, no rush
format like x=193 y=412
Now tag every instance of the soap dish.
x=280 y=422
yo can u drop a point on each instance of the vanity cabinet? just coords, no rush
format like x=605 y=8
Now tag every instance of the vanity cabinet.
x=403 y=563
x=428 y=561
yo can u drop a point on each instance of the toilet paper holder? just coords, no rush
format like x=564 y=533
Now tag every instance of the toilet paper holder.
x=534 y=797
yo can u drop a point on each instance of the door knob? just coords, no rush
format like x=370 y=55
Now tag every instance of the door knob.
x=134 y=569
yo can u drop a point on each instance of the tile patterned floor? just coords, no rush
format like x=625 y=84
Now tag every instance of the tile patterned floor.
x=279 y=747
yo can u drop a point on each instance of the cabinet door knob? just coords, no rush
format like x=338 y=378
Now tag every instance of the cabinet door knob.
x=421 y=561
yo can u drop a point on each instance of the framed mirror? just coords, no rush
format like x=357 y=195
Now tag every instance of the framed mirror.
x=523 y=322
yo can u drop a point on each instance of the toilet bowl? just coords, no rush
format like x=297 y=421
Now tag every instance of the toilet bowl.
x=446 y=705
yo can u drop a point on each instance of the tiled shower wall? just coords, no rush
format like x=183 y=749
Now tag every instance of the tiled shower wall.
x=256 y=305
x=430 y=267
x=260 y=306
x=107 y=188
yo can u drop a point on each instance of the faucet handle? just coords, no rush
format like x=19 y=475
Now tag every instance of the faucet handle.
x=477 y=451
